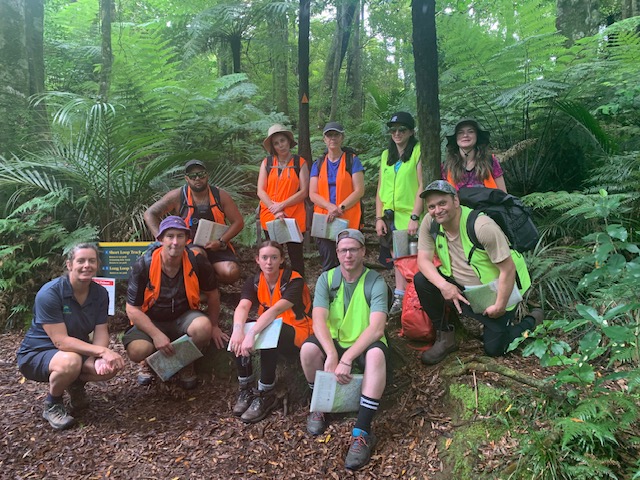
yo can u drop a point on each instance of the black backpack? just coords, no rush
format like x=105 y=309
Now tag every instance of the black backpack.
x=512 y=216
x=296 y=164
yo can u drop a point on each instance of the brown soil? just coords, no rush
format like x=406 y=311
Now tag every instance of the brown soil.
x=163 y=432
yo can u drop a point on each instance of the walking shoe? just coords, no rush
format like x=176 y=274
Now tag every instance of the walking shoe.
x=359 y=453
x=262 y=404
x=396 y=306
x=316 y=423
x=188 y=379
x=145 y=374
x=445 y=344
x=78 y=399
x=245 y=397
x=57 y=416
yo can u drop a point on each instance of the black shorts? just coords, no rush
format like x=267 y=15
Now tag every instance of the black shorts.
x=360 y=361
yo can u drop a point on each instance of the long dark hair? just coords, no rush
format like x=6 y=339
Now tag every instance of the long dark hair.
x=393 y=157
x=456 y=165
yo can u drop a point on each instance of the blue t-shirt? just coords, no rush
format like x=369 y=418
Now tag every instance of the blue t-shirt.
x=55 y=303
x=332 y=173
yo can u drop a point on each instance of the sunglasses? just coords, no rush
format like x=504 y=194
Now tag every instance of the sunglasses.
x=195 y=175
x=398 y=129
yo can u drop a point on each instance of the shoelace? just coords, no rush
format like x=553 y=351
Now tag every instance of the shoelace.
x=359 y=443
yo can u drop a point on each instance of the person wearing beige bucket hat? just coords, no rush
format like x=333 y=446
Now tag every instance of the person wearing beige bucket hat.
x=468 y=162
x=283 y=186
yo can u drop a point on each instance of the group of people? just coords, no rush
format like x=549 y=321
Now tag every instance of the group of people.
x=344 y=327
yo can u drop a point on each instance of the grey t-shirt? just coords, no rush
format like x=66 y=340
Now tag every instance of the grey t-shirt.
x=379 y=293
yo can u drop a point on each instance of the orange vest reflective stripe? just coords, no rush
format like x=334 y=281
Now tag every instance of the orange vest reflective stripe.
x=344 y=188
x=191 y=283
x=281 y=186
x=303 y=326
x=489 y=182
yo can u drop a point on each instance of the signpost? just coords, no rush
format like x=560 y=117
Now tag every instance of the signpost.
x=116 y=258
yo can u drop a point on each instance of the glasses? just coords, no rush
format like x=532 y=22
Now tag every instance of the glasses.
x=398 y=129
x=195 y=175
x=352 y=251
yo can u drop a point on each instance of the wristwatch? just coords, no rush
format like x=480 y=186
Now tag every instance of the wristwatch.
x=415 y=217
x=223 y=244
x=343 y=208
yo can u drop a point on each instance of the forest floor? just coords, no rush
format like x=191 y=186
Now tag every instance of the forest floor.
x=163 y=432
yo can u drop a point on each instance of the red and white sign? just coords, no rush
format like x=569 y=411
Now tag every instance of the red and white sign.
x=110 y=285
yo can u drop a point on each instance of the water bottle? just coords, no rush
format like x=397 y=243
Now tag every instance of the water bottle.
x=413 y=245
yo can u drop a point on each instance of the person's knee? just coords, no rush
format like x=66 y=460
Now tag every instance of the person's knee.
x=494 y=349
x=66 y=363
x=375 y=359
x=138 y=350
x=200 y=330
x=309 y=352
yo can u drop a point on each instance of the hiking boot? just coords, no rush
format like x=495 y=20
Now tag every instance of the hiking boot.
x=262 y=404
x=57 y=416
x=245 y=397
x=188 y=379
x=538 y=316
x=316 y=423
x=396 y=307
x=145 y=374
x=78 y=399
x=359 y=453
x=445 y=343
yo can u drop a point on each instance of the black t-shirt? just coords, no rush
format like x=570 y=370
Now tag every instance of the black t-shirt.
x=292 y=293
x=172 y=301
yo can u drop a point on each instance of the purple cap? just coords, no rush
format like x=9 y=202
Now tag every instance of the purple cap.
x=170 y=222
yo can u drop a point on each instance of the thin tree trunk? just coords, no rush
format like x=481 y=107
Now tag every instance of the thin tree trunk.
x=577 y=19
x=426 y=67
x=304 y=142
x=236 y=48
x=107 y=53
x=354 y=68
x=280 y=56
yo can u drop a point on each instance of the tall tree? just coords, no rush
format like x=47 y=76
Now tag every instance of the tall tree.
x=578 y=18
x=107 y=55
x=425 y=51
x=21 y=70
x=279 y=26
x=304 y=142
x=354 y=68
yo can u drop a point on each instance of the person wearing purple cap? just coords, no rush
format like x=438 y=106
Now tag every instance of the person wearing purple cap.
x=198 y=199
x=398 y=202
x=350 y=309
x=336 y=188
x=163 y=299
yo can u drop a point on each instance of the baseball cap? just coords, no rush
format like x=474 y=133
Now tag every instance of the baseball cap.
x=441 y=186
x=172 y=221
x=333 y=126
x=403 y=118
x=350 y=233
x=193 y=163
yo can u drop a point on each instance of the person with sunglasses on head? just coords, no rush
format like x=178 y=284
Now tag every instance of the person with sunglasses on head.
x=398 y=202
x=349 y=314
x=468 y=162
x=67 y=344
x=336 y=188
x=283 y=186
x=198 y=199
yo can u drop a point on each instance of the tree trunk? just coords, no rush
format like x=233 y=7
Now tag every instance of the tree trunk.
x=21 y=71
x=280 y=61
x=304 y=142
x=107 y=54
x=354 y=68
x=425 y=50
x=576 y=19
x=235 y=42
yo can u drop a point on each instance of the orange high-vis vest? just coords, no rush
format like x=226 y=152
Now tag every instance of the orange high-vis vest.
x=303 y=326
x=344 y=188
x=191 y=283
x=280 y=186
x=489 y=182
x=214 y=205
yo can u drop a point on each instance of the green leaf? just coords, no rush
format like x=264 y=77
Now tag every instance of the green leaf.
x=590 y=342
x=589 y=313
x=617 y=231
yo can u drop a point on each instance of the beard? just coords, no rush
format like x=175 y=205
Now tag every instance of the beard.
x=199 y=189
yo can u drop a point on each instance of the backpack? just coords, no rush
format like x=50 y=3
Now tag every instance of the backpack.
x=369 y=280
x=296 y=164
x=284 y=281
x=512 y=216
x=415 y=323
x=184 y=207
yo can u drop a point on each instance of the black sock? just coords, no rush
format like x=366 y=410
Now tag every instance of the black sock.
x=51 y=399
x=368 y=408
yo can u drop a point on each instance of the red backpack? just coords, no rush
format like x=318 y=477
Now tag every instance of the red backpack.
x=416 y=324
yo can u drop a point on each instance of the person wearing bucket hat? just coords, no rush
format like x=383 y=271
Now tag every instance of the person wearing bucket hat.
x=336 y=188
x=398 y=202
x=349 y=316
x=163 y=299
x=200 y=200
x=283 y=187
x=468 y=162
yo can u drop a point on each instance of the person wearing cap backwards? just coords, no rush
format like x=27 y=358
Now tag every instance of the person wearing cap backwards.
x=463 y=265
x=163 y=297
x=283 y=185
x=348 y=326
x=468 y=162
x=335 y=189
x=195 y=200
x=398 y=202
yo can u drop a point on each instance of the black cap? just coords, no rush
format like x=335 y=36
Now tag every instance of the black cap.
x=403 y=118
x=193 y=163
x=333 y=126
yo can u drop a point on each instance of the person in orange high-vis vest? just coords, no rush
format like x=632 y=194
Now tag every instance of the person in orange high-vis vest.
x=336 y=188
x=163 y=297
x=283 y=186
x=468 y=162
x=280 y=293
